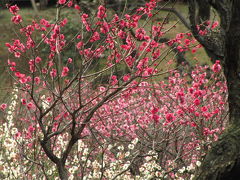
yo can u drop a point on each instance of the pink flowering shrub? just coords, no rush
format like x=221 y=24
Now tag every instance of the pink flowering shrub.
x=62 y=122
x=179 y=118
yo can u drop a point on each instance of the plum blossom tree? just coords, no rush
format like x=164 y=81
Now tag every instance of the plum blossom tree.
x=47 y=84
x=61 y=123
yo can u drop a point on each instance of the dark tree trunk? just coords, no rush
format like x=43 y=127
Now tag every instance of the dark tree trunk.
x=62 y=171
x=204 y=11
x=60 y=162
x=223 y=161
x=232 y=63
x=43 y=4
